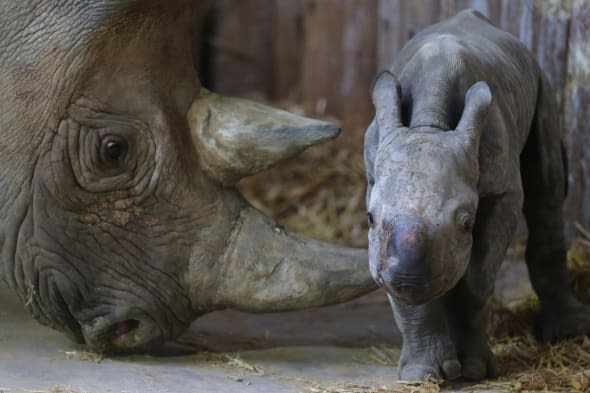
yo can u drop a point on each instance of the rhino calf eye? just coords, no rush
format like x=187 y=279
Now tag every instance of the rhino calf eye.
x=467 y=223
x=370 y=219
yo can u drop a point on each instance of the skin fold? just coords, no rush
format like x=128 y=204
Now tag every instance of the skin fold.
x=465 y=136
x=120 y=222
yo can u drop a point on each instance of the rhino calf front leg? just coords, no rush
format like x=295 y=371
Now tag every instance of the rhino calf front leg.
x=427 y=346
x=468 y=302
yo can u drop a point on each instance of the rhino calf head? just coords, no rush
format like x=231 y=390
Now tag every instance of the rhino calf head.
x=120 y=220
x=422 y=194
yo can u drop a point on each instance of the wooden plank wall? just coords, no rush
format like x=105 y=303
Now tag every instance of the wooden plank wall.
x=324 y=54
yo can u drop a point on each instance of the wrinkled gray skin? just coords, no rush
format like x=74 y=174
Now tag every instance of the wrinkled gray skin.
x=449 y=169
x=119 y=219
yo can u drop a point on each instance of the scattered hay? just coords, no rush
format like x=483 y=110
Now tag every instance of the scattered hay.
x=237 y=363
x=407 y=387
x=209 y=357
x=384 y=356
x=87 y=356
x=526 y=364
x=31 y=293
x=236 y=379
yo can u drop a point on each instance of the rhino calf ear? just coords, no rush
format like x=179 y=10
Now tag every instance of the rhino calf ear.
x=371 y=143
x=236 y=138
x=386 y=94
x=477 y=104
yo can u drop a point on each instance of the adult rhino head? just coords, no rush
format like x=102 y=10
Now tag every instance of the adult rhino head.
x=120 y=222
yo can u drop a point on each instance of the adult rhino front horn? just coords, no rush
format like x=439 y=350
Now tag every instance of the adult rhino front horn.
x=120 y=222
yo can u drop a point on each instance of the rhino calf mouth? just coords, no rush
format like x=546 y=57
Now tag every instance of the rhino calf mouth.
x=412 y=295
x=414 y=291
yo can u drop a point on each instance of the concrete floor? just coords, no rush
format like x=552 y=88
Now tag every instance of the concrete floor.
x=290 y=352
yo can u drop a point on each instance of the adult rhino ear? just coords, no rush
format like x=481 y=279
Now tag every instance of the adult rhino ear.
x=477 y=104
x=236 y=138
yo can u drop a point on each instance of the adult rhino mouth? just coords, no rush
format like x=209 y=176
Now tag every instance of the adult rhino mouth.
x=122 y=330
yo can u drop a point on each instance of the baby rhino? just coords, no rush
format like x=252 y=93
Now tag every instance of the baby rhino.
x=465 y=136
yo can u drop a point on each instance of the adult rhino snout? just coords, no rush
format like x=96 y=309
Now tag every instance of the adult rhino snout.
x=130 y=332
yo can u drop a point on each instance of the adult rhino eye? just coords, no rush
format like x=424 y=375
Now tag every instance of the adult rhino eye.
x=113 y=148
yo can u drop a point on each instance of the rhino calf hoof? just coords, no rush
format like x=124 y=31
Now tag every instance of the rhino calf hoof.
x=477 y=362
x=477 y=359
x=439 y=362
x=418 y=372
x=449 y=370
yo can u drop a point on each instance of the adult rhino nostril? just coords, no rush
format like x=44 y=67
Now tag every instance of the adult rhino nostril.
x=114 y=335
x=124 y=327
x=134 y=334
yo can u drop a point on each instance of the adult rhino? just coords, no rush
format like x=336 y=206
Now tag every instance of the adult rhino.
x=120 y=222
